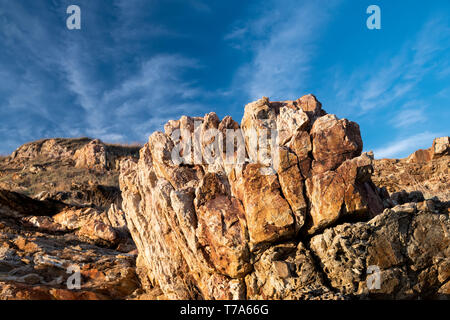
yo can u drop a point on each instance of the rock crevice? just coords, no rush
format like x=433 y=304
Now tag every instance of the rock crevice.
x=206 y=227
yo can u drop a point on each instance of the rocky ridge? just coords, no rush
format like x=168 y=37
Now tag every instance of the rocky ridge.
x=282 y=230
x=65 y=223
x=426 y=171
x=304 y=215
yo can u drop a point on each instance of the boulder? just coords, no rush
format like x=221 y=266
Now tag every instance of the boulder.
x=92 y=156
x=401 y=254
x=334 y=141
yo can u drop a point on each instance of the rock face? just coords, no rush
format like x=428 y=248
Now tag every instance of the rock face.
x=214 y=218
x=60 y=207
x=77 y=171
x=49 y=149
x=281 y=206
x=426 y=171
x=406 y=251
x=44 y=243
x=92 y=155
x=440 y=148
x=81 y=152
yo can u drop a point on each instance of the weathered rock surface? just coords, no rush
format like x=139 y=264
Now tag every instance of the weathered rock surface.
x=77 y=171
x=41 y=250
x=299 y=214
x=213 y=229
x=92 y=155
x=54 y=215
x=426 y=171
x=440 y=148
x=408 y=246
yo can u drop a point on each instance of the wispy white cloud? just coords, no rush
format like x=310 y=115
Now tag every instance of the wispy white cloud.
x=59 y=83
x=155 y=94
x=412 y=112
x=130 y=26
x=406 y=118
x=200 y=5
x=237 y=33
x=397 y=77
x=406 y=145
x=281 y=40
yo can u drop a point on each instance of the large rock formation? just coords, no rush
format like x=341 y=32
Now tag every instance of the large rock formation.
x=221 y=218
x=281 y=206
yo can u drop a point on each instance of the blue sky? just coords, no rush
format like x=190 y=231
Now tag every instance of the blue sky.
x=137 y=63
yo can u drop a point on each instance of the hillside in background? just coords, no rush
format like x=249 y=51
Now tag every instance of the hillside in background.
x=214 y=232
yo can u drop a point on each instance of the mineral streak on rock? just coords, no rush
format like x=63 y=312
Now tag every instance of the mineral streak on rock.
x=214 y=230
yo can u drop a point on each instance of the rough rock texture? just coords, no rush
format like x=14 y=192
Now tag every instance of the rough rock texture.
x=426 y=171
x=440 y=148
x=298 y=217
x=92 y=155
x=409 y=244
x=220 y=230
x=38 y=247
x=54 y=215
x=77 y=171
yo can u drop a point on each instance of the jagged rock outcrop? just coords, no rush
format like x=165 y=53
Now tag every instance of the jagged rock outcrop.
x=426 y=171
x=92 y=155
x=281 y=206
x=76 y=171
x=217 y=209
x=49 y=149
x=440 y=148
x=80 y=152
x=108 y=227
x=61 y=208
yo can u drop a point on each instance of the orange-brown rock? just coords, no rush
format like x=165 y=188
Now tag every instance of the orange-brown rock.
x=292 y=185
x=222 y=230
x=269 y=216
x=296 y=218
x=98 y=230
x=92 y=155
x=201 y=222
x=301 y=145
x=39 y=255
x=440 y=148
x=334 y=141
x=346 y=191
x=425 y=171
